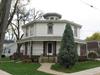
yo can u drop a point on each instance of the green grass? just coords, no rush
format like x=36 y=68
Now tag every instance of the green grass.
x=21 y=68
x=78 y=67
x=5 y=59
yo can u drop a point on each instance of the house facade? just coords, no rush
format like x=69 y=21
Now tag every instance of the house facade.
x=9 y=48
x=43 y=37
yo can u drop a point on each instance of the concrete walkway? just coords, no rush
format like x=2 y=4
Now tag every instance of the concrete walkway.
x=45 y=67
x=4 y=73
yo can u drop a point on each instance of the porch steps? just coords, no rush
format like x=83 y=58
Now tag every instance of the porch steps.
x=48 y=59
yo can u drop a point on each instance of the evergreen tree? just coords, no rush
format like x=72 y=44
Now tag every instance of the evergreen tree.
x=67 y=54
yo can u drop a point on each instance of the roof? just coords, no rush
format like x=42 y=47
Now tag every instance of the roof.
x=51 y=14
x=53 y=21
x=94 y=41
x=46 y=38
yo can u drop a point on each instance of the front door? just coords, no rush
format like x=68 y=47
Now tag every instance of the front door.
x=49 y=48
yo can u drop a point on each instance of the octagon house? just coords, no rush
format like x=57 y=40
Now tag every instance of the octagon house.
x=42 y=38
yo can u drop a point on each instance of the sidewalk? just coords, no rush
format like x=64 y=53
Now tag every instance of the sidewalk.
x=94 y=71
x=4 y=73
x=45 y=67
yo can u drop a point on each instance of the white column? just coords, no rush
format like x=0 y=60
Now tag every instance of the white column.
x=78 y=49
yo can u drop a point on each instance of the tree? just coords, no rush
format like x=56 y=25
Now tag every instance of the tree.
x=4 y=16
x=30 y=15
x=67 y=56
x=16 y=24
x=5 y=19
x=22 y=16
x=9 y=35
x=95 y=36
x=35 y=14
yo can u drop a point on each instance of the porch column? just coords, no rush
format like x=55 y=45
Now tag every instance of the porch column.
x=26 y=48
x=44 y=48
x=31 y=45
x=54 y=48
x=78 y=49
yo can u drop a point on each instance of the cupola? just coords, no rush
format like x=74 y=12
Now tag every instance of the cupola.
x=52 y=16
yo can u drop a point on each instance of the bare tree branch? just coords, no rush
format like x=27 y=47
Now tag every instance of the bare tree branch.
x=14 y=25
x=12 y=15
x=14 y=31
x=21 y=36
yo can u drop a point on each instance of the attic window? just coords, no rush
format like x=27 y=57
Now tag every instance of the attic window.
x=52 y=18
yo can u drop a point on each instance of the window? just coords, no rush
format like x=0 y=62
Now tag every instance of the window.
x=9 y=50
x=49 y=47
x=31 y=30
x=75 y=31
x=50 y=28
x=26 y=31
x=56 y=18
x=52 y=18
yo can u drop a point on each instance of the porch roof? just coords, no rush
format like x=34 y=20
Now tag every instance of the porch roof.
x=47 y=38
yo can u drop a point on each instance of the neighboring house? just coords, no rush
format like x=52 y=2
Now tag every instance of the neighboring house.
x=43 y=37
x=9 y=48
x=91 y=47
x=83 y=51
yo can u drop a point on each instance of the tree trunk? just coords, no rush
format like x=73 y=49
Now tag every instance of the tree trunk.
x=18 y=49
x=4 y=15
x=1 y=43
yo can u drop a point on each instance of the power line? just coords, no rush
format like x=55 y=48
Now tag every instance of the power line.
x=90 y=5
x=87 y=3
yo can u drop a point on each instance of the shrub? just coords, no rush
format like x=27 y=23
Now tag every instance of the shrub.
x=16 y=56
x=35 y=59
x=3 y=56
x=92 y=55
x=27 y=61
x=82 y=58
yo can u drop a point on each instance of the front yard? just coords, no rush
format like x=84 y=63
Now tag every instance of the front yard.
x=31 y=68
x=21 y=68
x=78 y=67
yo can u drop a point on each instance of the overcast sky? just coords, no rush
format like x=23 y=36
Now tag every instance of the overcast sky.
x=77 y=11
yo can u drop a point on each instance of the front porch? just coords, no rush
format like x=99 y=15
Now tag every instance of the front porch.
x=44 y=47
x=41 y=51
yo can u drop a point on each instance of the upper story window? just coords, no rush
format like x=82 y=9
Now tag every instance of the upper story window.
x=9 y=51
x=50 y=28
x=51 y=18
x=26 y=31
x=75 y=31
x=31 y=30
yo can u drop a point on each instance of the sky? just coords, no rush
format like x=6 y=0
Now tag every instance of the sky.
x=77 y=11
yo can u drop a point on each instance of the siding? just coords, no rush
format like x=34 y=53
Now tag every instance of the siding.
x=40 y=29
x=37 y=48
x=58 y=46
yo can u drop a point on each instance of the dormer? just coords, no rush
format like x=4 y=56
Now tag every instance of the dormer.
x=52 y=16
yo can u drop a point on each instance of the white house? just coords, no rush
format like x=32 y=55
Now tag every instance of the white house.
x=9 y=48
x=43 y=37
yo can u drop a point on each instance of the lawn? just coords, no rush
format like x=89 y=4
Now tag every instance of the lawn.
x=21 y=68
x=78 y=67
x=5 y=59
